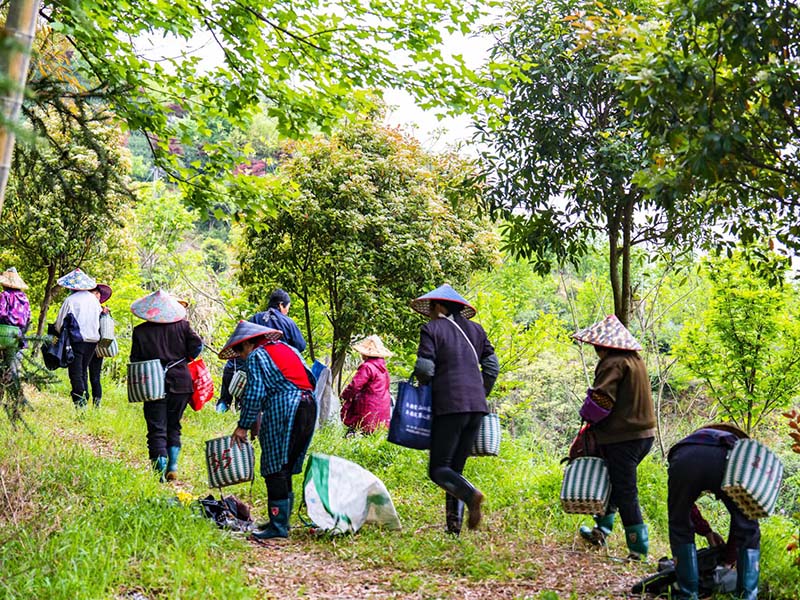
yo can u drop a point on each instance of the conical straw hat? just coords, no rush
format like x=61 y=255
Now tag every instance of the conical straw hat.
x=245 y=330
x=446 y=293
x=76 y=281
x=158 y=307
x=11 y=279
x=372 y=346
x=608 y=333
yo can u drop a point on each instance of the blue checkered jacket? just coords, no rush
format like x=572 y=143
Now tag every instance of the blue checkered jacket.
x=268 y=391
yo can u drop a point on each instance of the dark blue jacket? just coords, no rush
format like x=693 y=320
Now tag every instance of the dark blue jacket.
x=274 y=318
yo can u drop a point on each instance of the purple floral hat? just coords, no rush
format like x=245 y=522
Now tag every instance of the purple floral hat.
x=608 y=333
x=76 y=281
x=158 y=307
x=444 y=292
x=245 y=330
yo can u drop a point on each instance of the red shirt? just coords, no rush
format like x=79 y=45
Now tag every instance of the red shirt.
x=291 y=365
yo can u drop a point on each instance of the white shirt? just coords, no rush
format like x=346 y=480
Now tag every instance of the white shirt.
x=85 y=307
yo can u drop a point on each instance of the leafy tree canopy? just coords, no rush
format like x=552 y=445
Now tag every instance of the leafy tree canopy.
x=367 y=221
x=716 y=87
x=310 y=61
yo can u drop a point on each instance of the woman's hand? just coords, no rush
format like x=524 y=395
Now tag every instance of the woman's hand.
x=715 y=539
x=239 y=436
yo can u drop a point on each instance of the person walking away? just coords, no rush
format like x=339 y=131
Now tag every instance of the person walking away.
x=275 y=317
x=367 y=401
x=102 y=292
x=455 y=356
x=15 y=311
x=85 y=310
x=281 y=388
x=696 y=464
x=165 y=335
x=625 y=436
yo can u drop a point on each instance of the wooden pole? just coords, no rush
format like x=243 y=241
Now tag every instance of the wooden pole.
x=16 y=40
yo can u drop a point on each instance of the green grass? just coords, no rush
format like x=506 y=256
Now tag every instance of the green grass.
x=91 y=521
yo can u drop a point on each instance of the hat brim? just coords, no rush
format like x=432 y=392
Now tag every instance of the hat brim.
x=15 y=283
x=371 y=352
x=228 y=352
x=105 y=292
x=423 y=306
x=632 y=348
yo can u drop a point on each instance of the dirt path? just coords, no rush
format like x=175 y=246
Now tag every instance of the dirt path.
x=303 y=568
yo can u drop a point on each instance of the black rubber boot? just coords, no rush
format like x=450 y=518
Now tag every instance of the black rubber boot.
x=454 y=513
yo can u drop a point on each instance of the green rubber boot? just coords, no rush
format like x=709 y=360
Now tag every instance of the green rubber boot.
x=638 y=540
x=278 y=526
x=160 y=467
x=172 y=465
x=686 y=571
x=597 y=535
x=747 y=568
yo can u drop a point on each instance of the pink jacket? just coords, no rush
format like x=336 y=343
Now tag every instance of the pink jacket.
x=367 y=402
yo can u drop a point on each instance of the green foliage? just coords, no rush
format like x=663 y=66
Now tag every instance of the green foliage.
x=562 y=150
x=746 y=345
x=67 y=198
x=310 y=62
x=365 y=224
x=716 y=86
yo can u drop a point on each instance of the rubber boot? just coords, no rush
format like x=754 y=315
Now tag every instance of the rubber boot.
x=79 y=401
x=291 y=508
x=96 y=402
x=172 y=465
x=474 y=506
x=454 y=514
x=686 y=573
x=747 y=568
x=278 y=526
x=160 y=466
x=638 y=541
x=597 y=535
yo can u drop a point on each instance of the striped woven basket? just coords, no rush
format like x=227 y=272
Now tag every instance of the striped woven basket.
x=586 y=487
x=109 y=351
x=753 y=478
x=228 y=465
x=237 y=384
x=487 y=443
x=146 y=381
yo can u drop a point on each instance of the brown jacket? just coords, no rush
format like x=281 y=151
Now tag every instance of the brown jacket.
x=622 y=376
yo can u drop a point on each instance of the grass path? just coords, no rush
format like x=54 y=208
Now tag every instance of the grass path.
x=81 y=516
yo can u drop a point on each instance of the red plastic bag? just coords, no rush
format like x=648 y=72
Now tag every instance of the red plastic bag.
x=201 y=382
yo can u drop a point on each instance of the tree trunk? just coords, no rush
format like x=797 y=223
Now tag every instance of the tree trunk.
x=307 y=314
x=15 y=54
x=613 y=269
x=625 y=297
x=49 y=292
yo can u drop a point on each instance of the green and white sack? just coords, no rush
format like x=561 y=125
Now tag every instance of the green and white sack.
x=237 y=384
x=227 y=464
x=487 y=443
x=146 y=381
x=586 y=488
x=107 y=351
x=753 y=478
x=340 y=496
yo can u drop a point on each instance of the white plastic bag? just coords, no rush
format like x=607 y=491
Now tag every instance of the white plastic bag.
x=341 y=496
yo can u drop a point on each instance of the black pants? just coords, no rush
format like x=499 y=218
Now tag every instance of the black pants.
x=280 y=484
x=95 y=368
x=622 y=460
x=693 y=469
x=78 y=371
x=163 y=419
x=452 y=437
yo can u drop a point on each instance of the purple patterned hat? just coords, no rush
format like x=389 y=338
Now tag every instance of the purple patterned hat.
x=608 y=333
x=158 y=307
x=76 y=281
x=245 y=330
x=444 y=292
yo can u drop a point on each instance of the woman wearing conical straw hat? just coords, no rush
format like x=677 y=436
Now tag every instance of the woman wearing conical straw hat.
x=167 y=336
x=83 y=307
x=367 y=401
x=455 y=355
x=620 y=407
x=15 y=312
